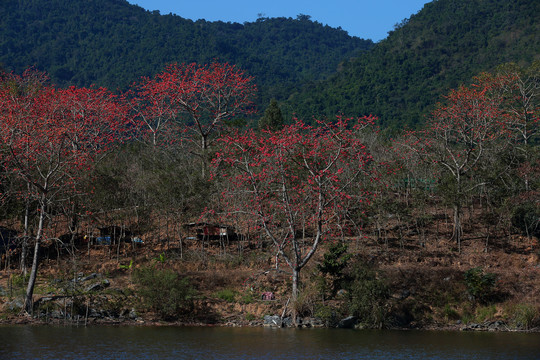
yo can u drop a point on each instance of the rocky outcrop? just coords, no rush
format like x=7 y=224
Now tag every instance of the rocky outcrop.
x=486 y=326
x=278 y=322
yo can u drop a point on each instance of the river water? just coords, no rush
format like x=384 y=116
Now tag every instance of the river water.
x=107 y=342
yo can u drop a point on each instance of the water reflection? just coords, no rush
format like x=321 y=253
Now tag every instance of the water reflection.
x=48 y=342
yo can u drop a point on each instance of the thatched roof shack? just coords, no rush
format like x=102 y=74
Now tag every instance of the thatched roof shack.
x=208 y=231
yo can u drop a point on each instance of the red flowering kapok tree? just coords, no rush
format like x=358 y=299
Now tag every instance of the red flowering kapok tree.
x=294 y=179
x=194 y=99
x=209 y=95
x=19 y=92
x=52 y=140
x=155 y=114
x=460 y=137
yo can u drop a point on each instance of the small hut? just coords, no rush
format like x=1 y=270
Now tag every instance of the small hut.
x=207 y=231
x=113 y=235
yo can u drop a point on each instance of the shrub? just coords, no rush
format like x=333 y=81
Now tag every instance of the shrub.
x=247 y=298
x=334 y=262
x=327 y=315
x=524 y=316
x=525 y=217
x=164 y=291
x=305 y=303
x=480 y=285
x=467 y=317
x=450 y=314
x=368 y=296
x=18 y=284
x=19 y=280
x=485 y=313
x=226 y=294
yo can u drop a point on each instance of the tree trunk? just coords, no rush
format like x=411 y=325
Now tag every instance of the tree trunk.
x=28 y=302
x=457 y=232
x=24 y=245
x=204 y=150
x=295 y=285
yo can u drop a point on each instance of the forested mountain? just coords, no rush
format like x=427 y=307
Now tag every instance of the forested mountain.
x=112 y=43
x=444 y=45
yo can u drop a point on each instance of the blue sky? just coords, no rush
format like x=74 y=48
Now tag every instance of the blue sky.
x=368 y=19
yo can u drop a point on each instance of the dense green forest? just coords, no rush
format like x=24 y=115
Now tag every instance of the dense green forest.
x=112 y=43
x=444 y=45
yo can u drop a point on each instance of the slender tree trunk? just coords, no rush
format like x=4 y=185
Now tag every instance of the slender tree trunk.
x=28 y=302
x=24 y=245
x=295 y=283
x=73 y=225
x=295 y=286
x=457 y=233
x=204 y=149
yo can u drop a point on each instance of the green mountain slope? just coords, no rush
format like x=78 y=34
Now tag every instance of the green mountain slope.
x=444 y=45
x=112 y=43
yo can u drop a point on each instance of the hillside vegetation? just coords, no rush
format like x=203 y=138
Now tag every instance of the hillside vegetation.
x=112 y=43
x=162 y=193
x=442 y=46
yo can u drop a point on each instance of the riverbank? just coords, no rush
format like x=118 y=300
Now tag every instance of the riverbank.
x=23 y=320
x=425 y=287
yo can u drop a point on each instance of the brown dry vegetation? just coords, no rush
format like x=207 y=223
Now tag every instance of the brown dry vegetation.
x=424 y=273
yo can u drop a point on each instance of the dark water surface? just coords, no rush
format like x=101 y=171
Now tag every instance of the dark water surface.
x=103 y=342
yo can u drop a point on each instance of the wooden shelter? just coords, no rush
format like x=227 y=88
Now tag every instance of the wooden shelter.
x=208 y=231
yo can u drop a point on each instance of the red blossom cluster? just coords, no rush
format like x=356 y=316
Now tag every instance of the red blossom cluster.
x=191 y=98
x=50 y=136
x=301 y=177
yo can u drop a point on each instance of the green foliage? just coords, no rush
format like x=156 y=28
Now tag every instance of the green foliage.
x=524 y=315
x=112 y=43
x=18 y=284
x=273 y=118
x=19 y=280
x=247 y=298
x=164 y=292
x=327 y=314
x=485 y=313
x=480 y=285
x=335 y=260
x=526 y=218
x=228 y=295
x=161 y=258
x=442 y=46
x=467 y=317
x=368 y=297
x=449 y=313
x=126 y=267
